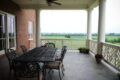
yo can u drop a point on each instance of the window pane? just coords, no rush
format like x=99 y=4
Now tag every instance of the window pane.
x=0 y=20
x=30 y=29
x=2 y=33
x=11 y=42
x=11 y=31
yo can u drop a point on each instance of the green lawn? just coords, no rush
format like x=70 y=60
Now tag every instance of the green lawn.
x=76 y=44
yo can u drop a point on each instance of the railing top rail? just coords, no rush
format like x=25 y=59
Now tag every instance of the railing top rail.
x=93 y=40
x=111 y=45
x=63 y=39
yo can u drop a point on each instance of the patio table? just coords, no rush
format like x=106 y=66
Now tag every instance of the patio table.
x=38 y=54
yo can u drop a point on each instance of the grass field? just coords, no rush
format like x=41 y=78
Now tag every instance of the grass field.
x=77 y=44
x=109 y=39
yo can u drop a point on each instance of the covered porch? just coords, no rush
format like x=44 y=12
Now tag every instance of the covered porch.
x=82 y=66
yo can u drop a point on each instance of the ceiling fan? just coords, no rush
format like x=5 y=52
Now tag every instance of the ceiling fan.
x=49 y=2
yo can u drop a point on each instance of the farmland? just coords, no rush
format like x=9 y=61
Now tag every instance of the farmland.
x=109 y=39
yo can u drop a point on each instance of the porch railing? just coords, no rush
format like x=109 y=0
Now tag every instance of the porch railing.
x=111 y=54
x=70 y=43
x=93 y=46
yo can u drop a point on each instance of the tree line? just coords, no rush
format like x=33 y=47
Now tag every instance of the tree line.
x=76 y=34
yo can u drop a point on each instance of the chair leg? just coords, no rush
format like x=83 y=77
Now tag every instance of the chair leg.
x=60 y=75
x=9 y=75
x=38 y=75
x=44 y=74
x=16 y=78
x=62 y=68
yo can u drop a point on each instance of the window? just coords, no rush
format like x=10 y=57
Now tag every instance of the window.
x=2 y=32
x=7 y=31
x=11 y=30
x=30 y=30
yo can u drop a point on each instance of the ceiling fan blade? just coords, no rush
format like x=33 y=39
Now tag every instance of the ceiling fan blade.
x=57 y=3
x=49 y=2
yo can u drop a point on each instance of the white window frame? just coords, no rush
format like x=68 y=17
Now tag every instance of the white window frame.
x=6 y=26
x=30 y=24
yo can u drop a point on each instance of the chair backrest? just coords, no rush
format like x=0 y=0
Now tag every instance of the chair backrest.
x=63 y=52
x=64 y=47
x=50 y=45
x=24 y=49
x=26 y=70
x=11 y=55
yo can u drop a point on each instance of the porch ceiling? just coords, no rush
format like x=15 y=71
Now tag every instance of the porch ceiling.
x=66 y=4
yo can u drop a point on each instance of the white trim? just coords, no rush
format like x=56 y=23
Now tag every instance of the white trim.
x=6 y=27
x=6 y=13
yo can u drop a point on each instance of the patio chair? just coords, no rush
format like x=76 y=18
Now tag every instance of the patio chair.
x=58 y=65
x=11 y=55
x=27 y=70
x=58 y=57
x=24 y=49
x=50 y=45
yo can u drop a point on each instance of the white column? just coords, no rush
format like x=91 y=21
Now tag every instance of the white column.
x=37 y=28
x=89 y=35
x=101 y=25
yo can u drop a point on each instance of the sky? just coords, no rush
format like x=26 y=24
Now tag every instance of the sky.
x=75 y=21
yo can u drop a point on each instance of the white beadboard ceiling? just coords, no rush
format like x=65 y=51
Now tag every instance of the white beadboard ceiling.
x=66 y=4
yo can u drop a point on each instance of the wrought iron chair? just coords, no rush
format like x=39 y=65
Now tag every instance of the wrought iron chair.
x=50 y=45
x=58 y=57
x=27 y=70
x=24 y=49
x=58 y=65
x=11 y=55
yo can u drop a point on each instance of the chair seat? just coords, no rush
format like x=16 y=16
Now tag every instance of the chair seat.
x=53 y=65
x=58 y=58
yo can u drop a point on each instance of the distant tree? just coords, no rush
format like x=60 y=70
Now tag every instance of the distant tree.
x=111 y=34
x=106 y=40
x=67 y=36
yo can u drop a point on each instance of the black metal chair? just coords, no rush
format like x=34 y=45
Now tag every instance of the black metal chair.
x=27 y=70
x=58 y=57
x=50 y=44
x=24 y=49
x=58 y=65
x=11 y=55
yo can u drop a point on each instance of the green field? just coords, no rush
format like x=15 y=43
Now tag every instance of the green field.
x=63 y=37
x=109 y=39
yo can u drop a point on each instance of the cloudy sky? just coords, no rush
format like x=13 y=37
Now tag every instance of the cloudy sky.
x=75 y=21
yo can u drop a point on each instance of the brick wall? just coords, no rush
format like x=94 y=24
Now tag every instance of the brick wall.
x=22 y=18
